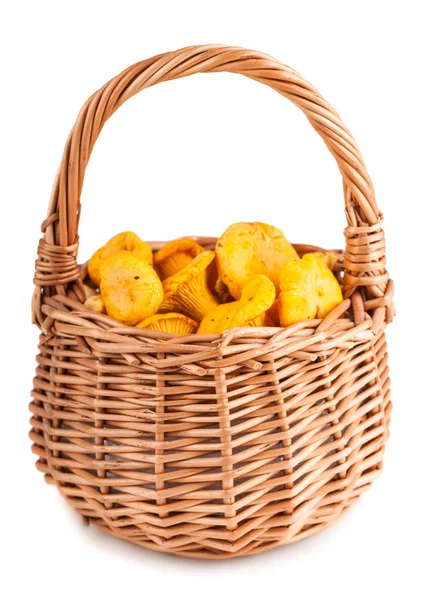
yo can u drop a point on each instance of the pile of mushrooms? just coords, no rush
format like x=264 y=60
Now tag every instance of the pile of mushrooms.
x=254 y=278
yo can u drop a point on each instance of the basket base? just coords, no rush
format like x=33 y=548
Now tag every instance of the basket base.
x=259 y=544
x=195 y=542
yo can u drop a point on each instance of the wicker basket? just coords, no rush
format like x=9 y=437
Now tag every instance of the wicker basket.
x=211 y=446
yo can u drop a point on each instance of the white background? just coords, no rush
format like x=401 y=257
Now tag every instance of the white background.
x=190 y=157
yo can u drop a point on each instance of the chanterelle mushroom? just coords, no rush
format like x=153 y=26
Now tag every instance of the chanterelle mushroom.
x=88 y=291
x=272 y=314
x=95 y=303
x=309 y=290
x=176 y=255
x=328 y=258
x=188 y=290
x=130 y=287
x=222 y=292
x=257 y=297
x=127 y=241
x=248 y=249
x=171 y=323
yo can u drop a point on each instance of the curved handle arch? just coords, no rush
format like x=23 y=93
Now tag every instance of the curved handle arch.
x=56 y=266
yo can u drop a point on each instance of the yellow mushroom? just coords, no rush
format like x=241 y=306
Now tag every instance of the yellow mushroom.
x=175 y=255
x=130 y=287
x=309 y=290
x=89 y=291
x=272 y=315
x=171 y=323
x=328 y=258
x=222 y=292
x=95 y=303
x=267 y=321
x=257 y=297
x=188 y=290
x=248 y=249
x=126 y=241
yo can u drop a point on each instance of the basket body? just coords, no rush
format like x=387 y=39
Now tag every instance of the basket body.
x=211 y=446
x=212 y=456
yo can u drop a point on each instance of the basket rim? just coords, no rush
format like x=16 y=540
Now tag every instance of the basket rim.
x=100 y=335
x=354 y=310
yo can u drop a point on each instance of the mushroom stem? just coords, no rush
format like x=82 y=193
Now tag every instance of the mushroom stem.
x=257 y=321
x=194 y=301
x=250 y=311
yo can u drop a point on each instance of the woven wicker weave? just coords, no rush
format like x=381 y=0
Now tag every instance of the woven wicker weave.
x=211 y=446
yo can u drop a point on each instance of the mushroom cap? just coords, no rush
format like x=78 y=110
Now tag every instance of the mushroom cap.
x=93 y=268
x=222 y=292
x=248 y=249
x=130 y=287
x=328 y=258
x=89 y=291
x=257 y=297
x=197 y=266
x=262 y=321
x=95 y=303
x=126 y=241
x=176 y=255
x=273 y=319
x=308 y=290
x=188 y=290
x=171 y=323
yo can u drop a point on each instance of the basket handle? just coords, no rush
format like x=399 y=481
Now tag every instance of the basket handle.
x=364 y=263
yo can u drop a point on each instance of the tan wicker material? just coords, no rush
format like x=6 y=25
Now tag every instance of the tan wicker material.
x=211 y=446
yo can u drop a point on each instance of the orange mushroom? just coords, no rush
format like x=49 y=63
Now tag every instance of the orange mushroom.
x=176 y=255
x=248 y=249
x=328 y=258
x=188 y=290
x=130 y=287
x=257 y=297
x=95 y=303
x=127 y=241
x=309 y=290
x=89 y=291
x=171 y=323
x=222 y=292
x=272 y=314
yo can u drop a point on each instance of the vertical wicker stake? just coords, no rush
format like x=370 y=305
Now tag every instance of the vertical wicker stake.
x=211 y=446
